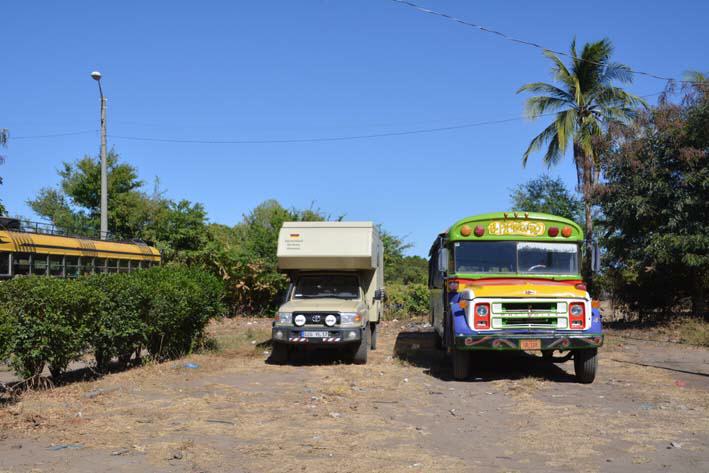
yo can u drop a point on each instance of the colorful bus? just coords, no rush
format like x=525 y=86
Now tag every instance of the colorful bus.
x=32 y=249
x=512 y=281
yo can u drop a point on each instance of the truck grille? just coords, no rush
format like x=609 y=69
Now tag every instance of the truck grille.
x=529 y=307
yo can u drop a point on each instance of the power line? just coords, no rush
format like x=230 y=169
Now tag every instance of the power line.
x=307 y=140
x=528 y=43
x=53 y=135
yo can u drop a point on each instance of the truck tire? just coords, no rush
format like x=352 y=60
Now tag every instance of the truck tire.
x=461 y=364
x=585 y=364
x=359 y=355
x=279 y=353
x=374 y=334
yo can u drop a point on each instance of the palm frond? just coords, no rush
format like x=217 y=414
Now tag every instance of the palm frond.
x=559 y=70
x=565 y=127
x=541 y=104
x=616 y=71
x=4 y=136
x=538 y=141
x=544 y=88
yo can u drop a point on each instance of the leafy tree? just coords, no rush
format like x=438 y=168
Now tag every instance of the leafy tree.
x=399 y=268
x=586 y=102
x=548 y=195
x=656 y=204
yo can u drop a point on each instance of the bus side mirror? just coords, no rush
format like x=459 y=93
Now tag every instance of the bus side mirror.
x=443 y=260
x=596 y=258
x=379 y=295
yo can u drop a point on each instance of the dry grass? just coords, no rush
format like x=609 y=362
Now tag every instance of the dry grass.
x=686 y=330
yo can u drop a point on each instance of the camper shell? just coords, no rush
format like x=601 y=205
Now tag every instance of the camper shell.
x=336 y=273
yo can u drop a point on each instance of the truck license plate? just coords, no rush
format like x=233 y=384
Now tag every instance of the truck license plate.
x=530 y=344
x=315 y=334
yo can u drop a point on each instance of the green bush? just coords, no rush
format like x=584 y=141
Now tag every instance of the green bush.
x=50 y=322
x=120 y=325
x=406 y=300
x=45 y=322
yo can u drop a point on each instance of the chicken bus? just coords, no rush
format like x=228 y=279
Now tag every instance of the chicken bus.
x=512 y=281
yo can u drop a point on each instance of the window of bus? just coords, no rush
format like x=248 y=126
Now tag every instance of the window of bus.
x=56 y=265
x=5 y=264
x=39 y=265
x=485 y=257
x=21 y=263
x=72 y=266
x=100 y=265
x=87 y=265
x=112 y=266
x=123 y=266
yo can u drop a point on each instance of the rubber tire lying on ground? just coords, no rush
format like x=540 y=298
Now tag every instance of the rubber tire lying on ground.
x=585 y=364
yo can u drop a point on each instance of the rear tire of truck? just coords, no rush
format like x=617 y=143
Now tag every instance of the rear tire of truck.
x=375 y=332
x=359 y=355
x=585 y=364
x=461 y=364
x=279 y=353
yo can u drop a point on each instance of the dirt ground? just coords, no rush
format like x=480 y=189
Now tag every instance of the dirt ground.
x=230 y=411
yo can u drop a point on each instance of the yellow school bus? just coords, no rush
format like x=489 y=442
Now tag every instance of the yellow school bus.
x=31 y=249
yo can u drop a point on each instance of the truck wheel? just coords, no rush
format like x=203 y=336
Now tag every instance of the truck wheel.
x=279 y=353
x=547 y=355
x=437 y=340
x=359 y=357
x=585 y=364
x=461 y=364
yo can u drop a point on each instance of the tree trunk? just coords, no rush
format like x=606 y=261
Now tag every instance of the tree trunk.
x=699 y=298
x=586 y=187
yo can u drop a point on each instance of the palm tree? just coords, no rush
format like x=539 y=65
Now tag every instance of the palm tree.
x=585 y=103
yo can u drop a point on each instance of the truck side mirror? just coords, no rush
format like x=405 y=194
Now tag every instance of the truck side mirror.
x=596 y=258
x=379 y=295
x=443 y=260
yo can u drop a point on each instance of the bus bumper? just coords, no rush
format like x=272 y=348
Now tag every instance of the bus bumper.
x=528 y=341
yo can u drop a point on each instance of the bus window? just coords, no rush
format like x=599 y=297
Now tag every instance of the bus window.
x=100 y=265
x=145 y=264
x=21 y=263
x=56 y=265
x=39 y=265
x=123 y=266
x=87 y=265
x=112 y=266
x=4 y=264
x=72 y=266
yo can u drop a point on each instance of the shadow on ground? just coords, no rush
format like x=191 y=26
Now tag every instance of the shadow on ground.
x=419 y=349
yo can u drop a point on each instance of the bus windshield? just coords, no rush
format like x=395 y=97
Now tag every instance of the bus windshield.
x=519 y=257
x=330 y=285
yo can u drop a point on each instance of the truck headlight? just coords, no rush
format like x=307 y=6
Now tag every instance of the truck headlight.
x=350 y=318
x=284 y=318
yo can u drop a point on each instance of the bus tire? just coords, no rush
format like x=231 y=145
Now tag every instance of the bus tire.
x=374 y=334
x=279 y=353
x=585 y=364
x=461 y=364
x=359 y=355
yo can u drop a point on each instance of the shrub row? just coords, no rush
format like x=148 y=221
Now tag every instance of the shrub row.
x=406 y=300
x=51 y=321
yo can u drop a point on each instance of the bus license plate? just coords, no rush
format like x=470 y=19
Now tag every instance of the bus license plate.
x=530 y=344
x=315 y=334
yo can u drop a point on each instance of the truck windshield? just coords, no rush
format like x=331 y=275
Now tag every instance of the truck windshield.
x=516 y=257
x=339 y=286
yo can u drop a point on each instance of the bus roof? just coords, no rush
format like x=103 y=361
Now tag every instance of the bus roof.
x=531 y=226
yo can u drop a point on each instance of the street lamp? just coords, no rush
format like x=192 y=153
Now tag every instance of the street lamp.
x=104 y=179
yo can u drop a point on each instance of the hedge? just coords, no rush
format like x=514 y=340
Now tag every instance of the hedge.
x=406 y=300
x=51 y=322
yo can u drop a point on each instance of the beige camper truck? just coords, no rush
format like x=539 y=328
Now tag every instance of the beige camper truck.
x=336 y=272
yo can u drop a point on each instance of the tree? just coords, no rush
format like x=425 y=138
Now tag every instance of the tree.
x=548 y=195
x=586 y=102
x=656 y=204
x=399 y=268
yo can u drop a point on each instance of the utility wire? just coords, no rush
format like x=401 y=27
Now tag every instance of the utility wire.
x=308 y=140
x=53 y=135
x=529 y=43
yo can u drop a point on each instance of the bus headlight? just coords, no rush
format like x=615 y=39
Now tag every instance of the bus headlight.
x=350 y=318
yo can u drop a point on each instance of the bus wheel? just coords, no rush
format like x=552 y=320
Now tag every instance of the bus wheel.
x=585 y=364
x=547 y=355
x=279 y=353
x=461 y=364
x=375 y=332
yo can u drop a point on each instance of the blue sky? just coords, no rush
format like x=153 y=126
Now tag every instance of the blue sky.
x=309 y=69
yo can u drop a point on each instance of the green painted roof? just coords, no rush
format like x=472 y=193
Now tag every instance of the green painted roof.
x=485 y=220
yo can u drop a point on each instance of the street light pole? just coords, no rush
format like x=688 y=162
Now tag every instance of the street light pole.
x=104 y=178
